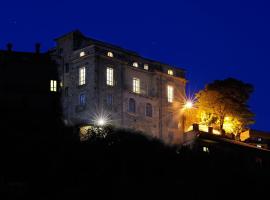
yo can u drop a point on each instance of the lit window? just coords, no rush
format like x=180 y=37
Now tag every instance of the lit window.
x=259 y=139
x=146 y=67
x=148 y=110
x=110 y=54
x=170 y=72
x=205 y=149
x=136 y=85
x=132 y=105
x=170 y=93
x=109 y=76
x=135 y=64
x=53 y=86
x=82 y=99
x=82 y=54
x=81 y=75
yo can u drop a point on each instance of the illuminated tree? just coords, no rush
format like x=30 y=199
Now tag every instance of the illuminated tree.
x=226 y=99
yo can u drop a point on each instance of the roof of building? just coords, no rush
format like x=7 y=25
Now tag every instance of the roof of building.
x=83 y=41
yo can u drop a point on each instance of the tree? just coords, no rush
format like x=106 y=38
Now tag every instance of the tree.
x=226 y=101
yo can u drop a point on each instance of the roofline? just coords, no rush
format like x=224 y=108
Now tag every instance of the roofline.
x=119 y=48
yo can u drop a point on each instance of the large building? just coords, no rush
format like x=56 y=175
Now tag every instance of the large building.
x=106 y=83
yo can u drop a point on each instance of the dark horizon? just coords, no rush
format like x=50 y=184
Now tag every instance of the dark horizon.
x=211 y=40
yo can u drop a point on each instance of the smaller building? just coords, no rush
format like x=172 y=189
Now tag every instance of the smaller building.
x=30 y=91
x=257 y=138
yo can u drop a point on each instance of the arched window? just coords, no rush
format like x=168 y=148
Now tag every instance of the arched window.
x=110 y=54
x=132 y=106
x=148 y=110
x=135 y=64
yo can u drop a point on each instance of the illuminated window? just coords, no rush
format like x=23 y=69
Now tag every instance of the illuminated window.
x=148 y=110
x=170 y=93
x=205 y=149
x=259 y=139
x=170 y=72
x=82 y=99
x=135 y=64
x=109 y=76
x=136 y=85
x=146 y=67
x=82 y=54
x=110 y=54
x=53 y=86
x=132 y=105
x=81 y=75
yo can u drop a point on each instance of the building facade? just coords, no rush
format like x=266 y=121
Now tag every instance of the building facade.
x=104 y=81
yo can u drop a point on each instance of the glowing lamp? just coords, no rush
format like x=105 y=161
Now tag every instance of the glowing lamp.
x=101 y=122
x=188 y=105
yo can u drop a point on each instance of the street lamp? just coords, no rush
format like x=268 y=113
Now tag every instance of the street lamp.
x=188 y=104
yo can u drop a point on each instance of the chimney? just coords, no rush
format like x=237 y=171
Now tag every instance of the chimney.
x=9 y=46
x=37 y=46
x=210 y=130
x=195 y=127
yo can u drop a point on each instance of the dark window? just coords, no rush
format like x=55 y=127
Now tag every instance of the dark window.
x=132 y=105
x=66 y=67
x=148 y=110
x=170 y=137
x=60 y=51
x=66 y=91
x=82 y=99
x=109 y=99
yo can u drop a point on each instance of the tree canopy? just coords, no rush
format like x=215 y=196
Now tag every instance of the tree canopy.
x=224 y=103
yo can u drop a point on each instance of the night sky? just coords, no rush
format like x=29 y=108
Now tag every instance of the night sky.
x=210 y=39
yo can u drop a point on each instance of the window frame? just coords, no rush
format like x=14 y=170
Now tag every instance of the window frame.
x=82 y=54
x=170 y=93
x=146 y=67
x=82 y=103
x=136 y=85
x=148 y=110
x=109 y=103
x=82 y=76
x=66 y=91
x=110 y=54
x=53 y=85
x=135 y=64
x=110 y=76
x=131 y=105
x=170 y=72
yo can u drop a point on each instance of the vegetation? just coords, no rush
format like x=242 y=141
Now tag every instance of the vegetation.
x=223 y=104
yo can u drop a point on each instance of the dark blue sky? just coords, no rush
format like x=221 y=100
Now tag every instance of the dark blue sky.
x=210 y=39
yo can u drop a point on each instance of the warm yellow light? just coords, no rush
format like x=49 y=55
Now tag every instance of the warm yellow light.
x=170 y=72
x=188 y=105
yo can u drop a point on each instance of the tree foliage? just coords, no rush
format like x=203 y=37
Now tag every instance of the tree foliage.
x=223 y=100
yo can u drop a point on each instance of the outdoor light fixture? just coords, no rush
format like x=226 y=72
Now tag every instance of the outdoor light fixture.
x=101 y=118
x=188 y=105
x=101 y=122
